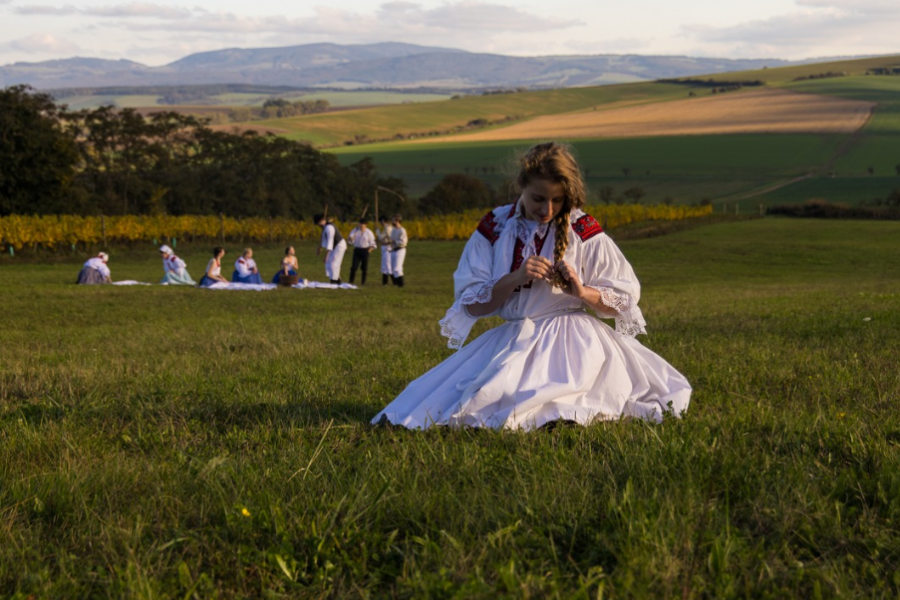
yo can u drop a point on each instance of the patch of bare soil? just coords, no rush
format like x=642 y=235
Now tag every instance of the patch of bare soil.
x=756 y=111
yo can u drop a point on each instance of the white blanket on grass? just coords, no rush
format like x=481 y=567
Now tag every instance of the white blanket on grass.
x=263 y=287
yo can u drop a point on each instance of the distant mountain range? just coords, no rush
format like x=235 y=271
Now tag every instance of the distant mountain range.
x=385 y=65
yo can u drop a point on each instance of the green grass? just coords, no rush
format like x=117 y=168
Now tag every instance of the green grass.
x=878 y=143
x=336 y=98
x=137 y=424
x=843 y=190
x=785 y=75
x=686 y=168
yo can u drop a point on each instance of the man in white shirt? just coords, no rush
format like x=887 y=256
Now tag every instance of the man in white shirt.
x=383 y=234
x=363 y=241
x=399 y=239
x=335 y=247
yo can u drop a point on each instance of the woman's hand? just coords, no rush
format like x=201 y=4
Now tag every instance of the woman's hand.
x=535 y=267
x=570 y=276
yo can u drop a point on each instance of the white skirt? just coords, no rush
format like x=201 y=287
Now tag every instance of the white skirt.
x=524 y=374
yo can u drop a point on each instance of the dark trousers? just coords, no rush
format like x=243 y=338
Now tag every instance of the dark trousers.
x=360 y=257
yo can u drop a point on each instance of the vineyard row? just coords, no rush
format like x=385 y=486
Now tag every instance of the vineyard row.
x=48 y=231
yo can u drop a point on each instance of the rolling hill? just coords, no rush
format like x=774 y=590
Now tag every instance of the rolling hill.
x=368 y=66
x=803 y=142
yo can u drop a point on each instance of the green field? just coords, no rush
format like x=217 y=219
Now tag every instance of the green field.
x=785 y=75
x=685 y=168
x=690 y=168
x=337 y=99
x=170 y=442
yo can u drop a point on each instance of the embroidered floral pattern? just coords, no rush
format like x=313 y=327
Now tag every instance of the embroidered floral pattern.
x=520 y=250
x=587 y=227
x=488 y=227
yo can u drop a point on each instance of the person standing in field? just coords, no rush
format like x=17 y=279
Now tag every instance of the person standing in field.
x=213 y=272
x=384 y=241
x=245 y=269
x=334 y=245
x=363 y=241
x=95 y=270
x=174 y=268
x=548 y=270
x=399 y=240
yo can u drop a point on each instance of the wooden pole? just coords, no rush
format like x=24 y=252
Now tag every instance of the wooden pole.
x=222 y=228
x=103 y=230
x=376 y=206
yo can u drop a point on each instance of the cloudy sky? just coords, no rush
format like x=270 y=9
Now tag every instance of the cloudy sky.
x=156 y=33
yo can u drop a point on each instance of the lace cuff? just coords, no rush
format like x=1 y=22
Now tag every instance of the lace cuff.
x=457 y=323
x=629 y=320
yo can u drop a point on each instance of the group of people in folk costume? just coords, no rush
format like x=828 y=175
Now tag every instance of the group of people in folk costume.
x=96 y=270
x=549 y=271
x=391 y=236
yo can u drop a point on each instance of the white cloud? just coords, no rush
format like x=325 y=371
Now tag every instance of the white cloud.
x=134 y=9
x=857 y=6
x=391 y=20
x=41 y=9
x=826 y=27
x=43 y=43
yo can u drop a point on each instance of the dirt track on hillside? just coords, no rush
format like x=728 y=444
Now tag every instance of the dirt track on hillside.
x=756 y=111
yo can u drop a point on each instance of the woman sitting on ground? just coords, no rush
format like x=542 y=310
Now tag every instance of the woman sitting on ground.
x=95 y=270
x=289 y=265
x=175 y=268
x=245 y=270
x=548 y=270
x=213 y=273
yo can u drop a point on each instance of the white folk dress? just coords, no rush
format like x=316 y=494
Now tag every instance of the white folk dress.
x=551 y=359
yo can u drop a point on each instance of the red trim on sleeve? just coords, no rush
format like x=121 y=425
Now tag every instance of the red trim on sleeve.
x=488 y=227
x=587 y=227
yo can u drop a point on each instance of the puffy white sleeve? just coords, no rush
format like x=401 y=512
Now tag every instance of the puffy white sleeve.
x=605 y=269
x=179 y=264
x=104 y=270
x=472 y=284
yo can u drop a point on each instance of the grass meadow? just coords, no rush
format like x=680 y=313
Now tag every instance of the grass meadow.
x=164 y=442
x=684 y=168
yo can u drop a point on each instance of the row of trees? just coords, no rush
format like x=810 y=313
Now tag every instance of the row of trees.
x=108 y=161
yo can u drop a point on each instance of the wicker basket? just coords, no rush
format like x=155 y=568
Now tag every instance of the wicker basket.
x=288 y=280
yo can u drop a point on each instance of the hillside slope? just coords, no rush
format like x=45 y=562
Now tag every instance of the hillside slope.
x=369 y=65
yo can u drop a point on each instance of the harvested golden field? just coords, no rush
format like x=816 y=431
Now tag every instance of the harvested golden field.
x=756 y=111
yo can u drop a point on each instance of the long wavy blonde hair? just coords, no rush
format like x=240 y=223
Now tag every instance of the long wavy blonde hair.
x=554 y=162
